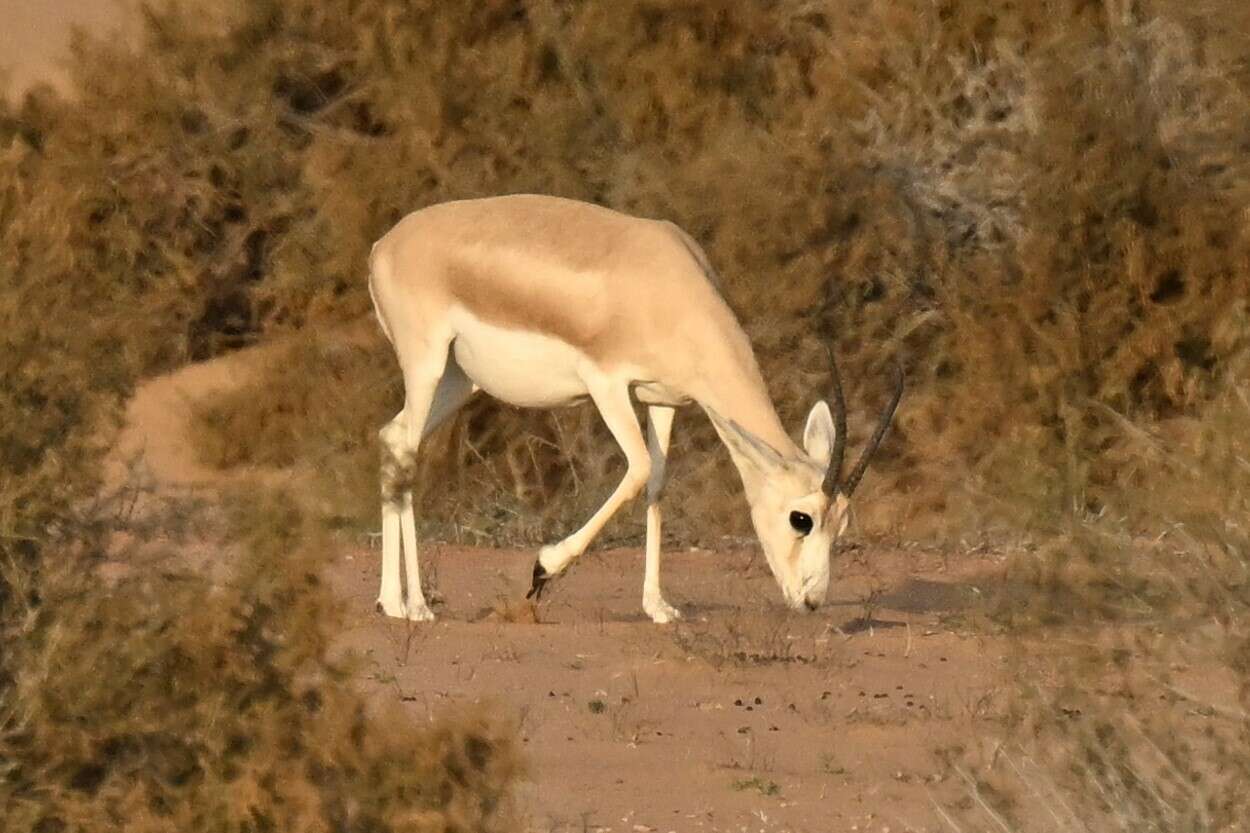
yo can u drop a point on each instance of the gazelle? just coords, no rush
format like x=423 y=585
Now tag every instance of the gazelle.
x=543 y=302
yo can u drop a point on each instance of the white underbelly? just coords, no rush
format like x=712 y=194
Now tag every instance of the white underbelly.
x=519 y=367
x=656 y=393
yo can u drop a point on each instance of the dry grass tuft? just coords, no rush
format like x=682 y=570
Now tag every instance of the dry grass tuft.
x=513 y=611
x=748 y=640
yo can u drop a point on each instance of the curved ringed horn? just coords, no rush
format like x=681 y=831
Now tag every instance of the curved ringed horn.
x=833 y=474
x=887 y=415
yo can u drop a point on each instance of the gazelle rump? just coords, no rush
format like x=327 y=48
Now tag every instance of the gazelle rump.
x=544 y=302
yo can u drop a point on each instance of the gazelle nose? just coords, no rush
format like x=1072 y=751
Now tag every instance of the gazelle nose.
x=810 y=605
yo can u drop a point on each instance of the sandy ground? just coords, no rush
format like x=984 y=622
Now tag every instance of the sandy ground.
x=743 y=717
x=35 y=36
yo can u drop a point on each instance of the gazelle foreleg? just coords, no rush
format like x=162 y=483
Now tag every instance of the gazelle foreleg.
x=659 y=430
x=617 y=411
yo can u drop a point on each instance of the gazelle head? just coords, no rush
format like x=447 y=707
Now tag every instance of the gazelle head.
x=800 y=504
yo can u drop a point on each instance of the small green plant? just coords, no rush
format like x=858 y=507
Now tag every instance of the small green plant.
x=763 y=786
x=597 y=706
x=829 y=764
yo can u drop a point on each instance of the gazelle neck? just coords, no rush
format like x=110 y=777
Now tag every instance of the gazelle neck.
x=740 y=395
x=748 y=405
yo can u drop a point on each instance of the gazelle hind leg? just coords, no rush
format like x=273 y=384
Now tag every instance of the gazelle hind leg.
x=390 y=596
x=416 y=607
x=430 y=397
x=612 y=400
x=659 y=430
x=396 y=454
x=454 y=389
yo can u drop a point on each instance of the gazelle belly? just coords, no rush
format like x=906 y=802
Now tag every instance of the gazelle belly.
x=519 y=367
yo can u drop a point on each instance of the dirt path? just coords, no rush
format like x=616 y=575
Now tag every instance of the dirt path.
x=744 y=717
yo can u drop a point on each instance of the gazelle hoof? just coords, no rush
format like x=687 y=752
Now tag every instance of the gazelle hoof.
x=395 y=610
x=413 y=613
x=538 y=581
x=420 y=613
x=661 y=612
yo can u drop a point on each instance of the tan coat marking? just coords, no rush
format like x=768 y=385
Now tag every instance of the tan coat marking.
x=612 y=285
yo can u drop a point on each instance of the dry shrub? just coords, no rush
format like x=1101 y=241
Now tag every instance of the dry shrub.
x=163 y=702
x=1131 y=645
x=171 y=704
x=311 y=404
x=305 y=406
x=1038 y=210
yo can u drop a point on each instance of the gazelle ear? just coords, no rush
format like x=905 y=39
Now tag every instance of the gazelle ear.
x=819 y=435
x=745 y=444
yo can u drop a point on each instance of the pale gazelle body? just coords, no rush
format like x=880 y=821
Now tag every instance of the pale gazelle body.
x=543 y=302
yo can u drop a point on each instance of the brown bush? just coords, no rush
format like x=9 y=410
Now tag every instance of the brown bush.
x=1038 y=211
x=1130 y=707
x=163 y=702
x=168 y=704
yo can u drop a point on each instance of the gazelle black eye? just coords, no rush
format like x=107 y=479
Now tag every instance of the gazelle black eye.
x=801 y=521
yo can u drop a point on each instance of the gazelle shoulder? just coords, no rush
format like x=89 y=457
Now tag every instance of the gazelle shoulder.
x=695 y=251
